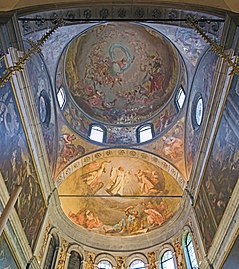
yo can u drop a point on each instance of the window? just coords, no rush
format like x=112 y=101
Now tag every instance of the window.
x=52 y=252
x=180 y=98
x=104 y=264
x=97 y=133
x=190 y=253
x=167 y=260
x=144 y=133
x=61 y=97
x=137 y=264
x=74 y=261
x=44 y=108
x=197 y=110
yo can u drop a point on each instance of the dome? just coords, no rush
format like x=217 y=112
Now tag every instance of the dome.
x=115 y=71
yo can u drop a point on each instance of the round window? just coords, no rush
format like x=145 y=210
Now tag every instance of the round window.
x=44 y=108
x=197 y=111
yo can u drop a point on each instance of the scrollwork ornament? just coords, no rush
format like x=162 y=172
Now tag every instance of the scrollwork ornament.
x=62 y=255
x=152 y=260
x=120 y=263
x=179 y=254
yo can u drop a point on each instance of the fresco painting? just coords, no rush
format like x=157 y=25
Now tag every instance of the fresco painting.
x=43 y=95
x=16 y=164
x=7 y=260
x=122 y=72
x=171 y=146
x=95 y=190
x=222 y=170
x=70 y=147
x=205 y=70
x=205 y=219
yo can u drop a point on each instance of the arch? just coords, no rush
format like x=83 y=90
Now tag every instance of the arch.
x=167 y=257
x=189 y=250
x=105 y=257
x=75 y=249
x=136 y=257
x=52 y=250
x=75 y=260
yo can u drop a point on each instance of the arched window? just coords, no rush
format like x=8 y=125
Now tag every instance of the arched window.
x=97 y=133
x=51 y=256
x=104 y=264
x=167 y=260
x=189 y=251
x=137 y=264
x=74 y=261
x=180 y=98
x=61 y=97
x=144 y=133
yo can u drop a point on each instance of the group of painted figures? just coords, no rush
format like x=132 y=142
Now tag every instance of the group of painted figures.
x=138 y=219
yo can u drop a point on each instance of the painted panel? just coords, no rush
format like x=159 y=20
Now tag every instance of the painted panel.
x=201 y=86
x=120 y=195
x=222 y=170
x=7 y=260
x=43 y=94
x=206 y=219
x=16 y=164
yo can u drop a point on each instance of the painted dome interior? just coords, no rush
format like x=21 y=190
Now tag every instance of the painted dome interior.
x=114 y=70
x=123 y=78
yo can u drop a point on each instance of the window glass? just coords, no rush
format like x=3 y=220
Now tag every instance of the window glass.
x=199 y=111
x=145 y=133
x=191 y=252
x=137 y=264
x=104 y=265
x=97 y=133
x=52 y=253
x=61 y=97
x=167 y=261
x=74 y=261
x=180 y=98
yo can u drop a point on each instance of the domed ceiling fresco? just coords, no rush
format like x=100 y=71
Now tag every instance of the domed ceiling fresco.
x=120 y=192
x=118 y=69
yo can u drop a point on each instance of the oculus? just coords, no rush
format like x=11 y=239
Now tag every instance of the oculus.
x=44 y=108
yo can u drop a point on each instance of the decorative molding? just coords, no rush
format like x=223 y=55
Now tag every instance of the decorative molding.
x=62 y=254
x=152 y=260
x=90 y=260
x=179 y=253
x=122 y=12
x=44 y=243
x=122 y=152
x=121 y=263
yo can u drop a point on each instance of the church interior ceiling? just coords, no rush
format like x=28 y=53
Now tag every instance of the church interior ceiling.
x=121 y=76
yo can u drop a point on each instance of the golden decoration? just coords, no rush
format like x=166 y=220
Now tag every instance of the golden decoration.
x=35 y=47
x=151 y=260
x=62 y=255
x=120 y=263
x=216 y=48
x=90 y=261
x=45 y=239
x=179 y=254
